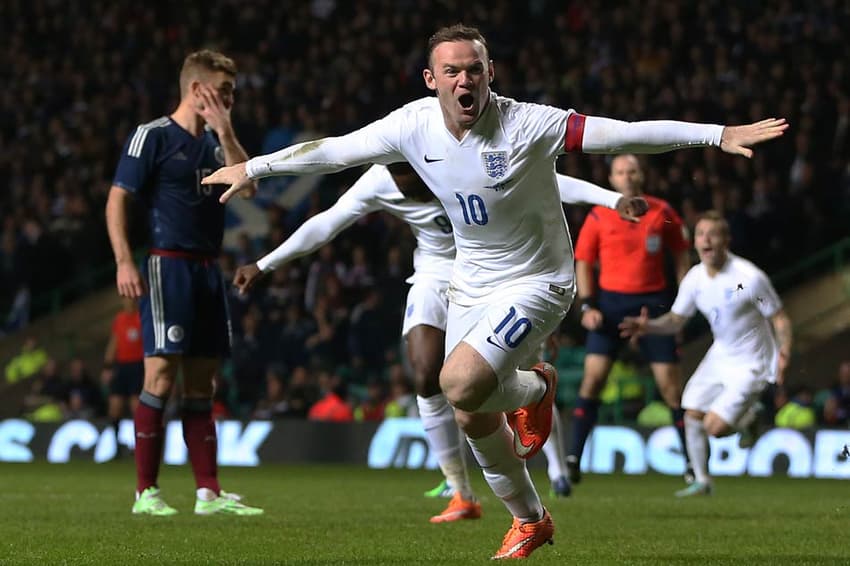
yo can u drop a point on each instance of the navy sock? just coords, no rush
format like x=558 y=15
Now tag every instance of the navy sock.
x=585 y=416
x=679 y=423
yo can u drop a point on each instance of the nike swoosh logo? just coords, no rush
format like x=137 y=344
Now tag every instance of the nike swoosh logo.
x=493 y=343
x=499 y=186
x=521 y=449
x=429 y=160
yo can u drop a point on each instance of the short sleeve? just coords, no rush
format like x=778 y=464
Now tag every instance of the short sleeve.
x=137 y=160
x=546 y=125
x=587 y=245
x=685 y=303
x=764 y=296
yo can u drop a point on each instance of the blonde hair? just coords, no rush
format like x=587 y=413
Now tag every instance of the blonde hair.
x=200 y=63
x=715 y=216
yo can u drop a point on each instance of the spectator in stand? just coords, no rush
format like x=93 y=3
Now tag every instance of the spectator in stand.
x=836 y=410
x=797 y=413
x=83 y=397
x=26 y=364
x=274 y=405
x=367 y=336
x=402 y=399
x=249 y=363
x=48 y=393
x=333 y=405
x=372 y=407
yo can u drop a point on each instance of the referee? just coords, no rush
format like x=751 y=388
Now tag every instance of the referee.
x=631 y=276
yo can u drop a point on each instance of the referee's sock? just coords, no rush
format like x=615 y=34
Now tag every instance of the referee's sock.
x=585 y=416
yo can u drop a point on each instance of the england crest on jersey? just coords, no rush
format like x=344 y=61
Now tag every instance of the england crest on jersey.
x=495 y=163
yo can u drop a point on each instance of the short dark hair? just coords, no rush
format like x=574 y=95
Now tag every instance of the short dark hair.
x=204 y=61
x=457 y=32
x=715 y=216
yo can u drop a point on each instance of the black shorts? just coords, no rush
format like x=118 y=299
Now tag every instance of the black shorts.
x=127 y=379
x=606 y=340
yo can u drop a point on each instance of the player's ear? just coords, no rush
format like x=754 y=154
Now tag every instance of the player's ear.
x=430 y=80
x=491 y=70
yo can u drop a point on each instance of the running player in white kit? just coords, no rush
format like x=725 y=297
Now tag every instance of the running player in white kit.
x=490 y=162
x=752 y=343
x=397 y=190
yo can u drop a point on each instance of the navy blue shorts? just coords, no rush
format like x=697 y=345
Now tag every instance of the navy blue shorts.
x=185 y=309
x=128 y=379
x=614 y=306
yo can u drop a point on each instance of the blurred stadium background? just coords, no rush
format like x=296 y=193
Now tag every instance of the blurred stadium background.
x=81 y=75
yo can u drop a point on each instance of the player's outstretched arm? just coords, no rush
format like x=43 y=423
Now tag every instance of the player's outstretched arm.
x=312 y=235
x=326 y=155
x=738 y=140
x=574 y=191
x=604 y=135
x=668 y=323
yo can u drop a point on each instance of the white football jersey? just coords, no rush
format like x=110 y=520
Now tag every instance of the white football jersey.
x=497 y=186
x=738 y=303
x=435 y=246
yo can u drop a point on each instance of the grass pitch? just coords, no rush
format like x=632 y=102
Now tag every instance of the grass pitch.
x=80 y=514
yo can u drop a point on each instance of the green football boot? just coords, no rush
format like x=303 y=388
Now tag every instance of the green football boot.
x=149 y=502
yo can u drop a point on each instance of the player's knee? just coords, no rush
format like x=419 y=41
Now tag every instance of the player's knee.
x=461 y=391
x=716 y=426
x=158 y=382
x=463 y=397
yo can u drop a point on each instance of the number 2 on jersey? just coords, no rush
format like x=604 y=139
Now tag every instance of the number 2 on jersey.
x=517 y=331
x=473 y=208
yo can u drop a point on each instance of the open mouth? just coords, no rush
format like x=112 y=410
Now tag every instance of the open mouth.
x=466 y=101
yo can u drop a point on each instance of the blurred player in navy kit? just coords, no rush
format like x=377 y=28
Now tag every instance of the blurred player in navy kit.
x=185 y=324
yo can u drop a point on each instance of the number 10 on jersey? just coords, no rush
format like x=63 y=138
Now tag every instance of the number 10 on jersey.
x=474 y=211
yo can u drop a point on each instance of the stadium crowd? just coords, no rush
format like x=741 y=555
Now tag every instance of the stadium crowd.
x=328 y=324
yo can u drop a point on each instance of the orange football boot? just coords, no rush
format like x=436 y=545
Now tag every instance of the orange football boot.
x=533 y=423
x=458 y=509
x=523 y=538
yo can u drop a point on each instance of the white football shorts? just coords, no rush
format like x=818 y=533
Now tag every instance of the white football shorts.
x=426 y=304
x=725 y=386
x=509 y=329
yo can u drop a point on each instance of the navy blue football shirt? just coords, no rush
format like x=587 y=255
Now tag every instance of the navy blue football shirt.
x=163 y=164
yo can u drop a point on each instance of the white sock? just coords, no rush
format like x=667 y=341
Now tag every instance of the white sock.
x=205 y=494
x=697 y=448
x=443 y=434
x=520 y=388
x=554 y=448
x=506 y=473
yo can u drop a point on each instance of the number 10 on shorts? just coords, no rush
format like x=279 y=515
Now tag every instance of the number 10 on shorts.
x=517 y=329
